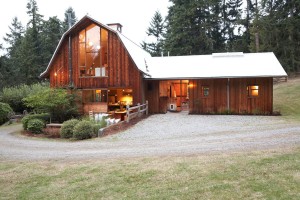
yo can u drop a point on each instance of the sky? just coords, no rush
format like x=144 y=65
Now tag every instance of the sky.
x=134 y=15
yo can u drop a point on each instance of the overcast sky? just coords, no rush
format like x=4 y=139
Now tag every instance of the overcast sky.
x=134 y=15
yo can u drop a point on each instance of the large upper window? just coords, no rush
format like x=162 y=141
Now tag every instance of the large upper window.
x=93 y=48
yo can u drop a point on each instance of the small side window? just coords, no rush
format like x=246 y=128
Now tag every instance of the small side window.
x=253 y=90
x=205 y=91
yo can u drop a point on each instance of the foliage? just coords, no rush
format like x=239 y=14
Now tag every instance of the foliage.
x=14 y=95
x=35 y=125
x=83 y=130
x=30 y=49
x=58 y=102
x=98 y=126
x=43 y=116
x=5 y=110
x=65 y=24
x=156 y=30
x=66 y=130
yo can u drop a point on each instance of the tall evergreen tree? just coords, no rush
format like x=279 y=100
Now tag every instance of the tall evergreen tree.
x=52 y=32
x=189 y=27
x=32 y=45
x=231 y=14
x=13 y=39
x=70 y=11
x=157 y=31
x=13 y=63
x=283 y=19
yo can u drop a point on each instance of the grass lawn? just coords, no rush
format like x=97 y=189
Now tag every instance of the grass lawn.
x=257 y=175
x=287 y=99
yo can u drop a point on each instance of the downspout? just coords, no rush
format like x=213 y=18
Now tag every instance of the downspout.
x=228 y=93
x=70 y=54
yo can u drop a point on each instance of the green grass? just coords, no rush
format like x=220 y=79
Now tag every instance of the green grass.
x=258 y=175
x=287 y=99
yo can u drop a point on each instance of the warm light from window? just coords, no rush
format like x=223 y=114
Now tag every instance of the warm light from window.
x=91 y=43
x=253 y=90
x=98 y=91
x=55 y=74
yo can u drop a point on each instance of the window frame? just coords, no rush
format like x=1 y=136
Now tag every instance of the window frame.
x=251 y=91
x=205 y=91
x=99 y=70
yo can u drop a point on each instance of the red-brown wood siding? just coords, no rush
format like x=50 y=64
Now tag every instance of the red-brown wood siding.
x=122 y=72
x=216 y=101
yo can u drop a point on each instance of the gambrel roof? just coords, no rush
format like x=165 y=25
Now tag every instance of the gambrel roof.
x=137 y=54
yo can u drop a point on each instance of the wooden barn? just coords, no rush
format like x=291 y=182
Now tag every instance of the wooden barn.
x=94 y=59
x=109 y=71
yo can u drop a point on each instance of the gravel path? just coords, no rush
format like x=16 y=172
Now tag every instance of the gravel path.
x=161 y=135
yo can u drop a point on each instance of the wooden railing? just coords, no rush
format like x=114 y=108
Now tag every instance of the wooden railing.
x=136 y=111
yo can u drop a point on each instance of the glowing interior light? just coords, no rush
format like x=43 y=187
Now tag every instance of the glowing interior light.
x=98 y=47
x=55 y=74
x=91 y=43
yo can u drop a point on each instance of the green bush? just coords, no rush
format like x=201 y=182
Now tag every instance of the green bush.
x=14 y=95
x=67 y=128
x=35 y=125
x=83 y=130
x=98 y=126
x=5 y=110
x=60 y=103
x=44 y=117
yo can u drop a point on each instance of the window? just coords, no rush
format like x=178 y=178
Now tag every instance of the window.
x=94 y=96
x=253 y=90
x=93 y=48
x=205 y=91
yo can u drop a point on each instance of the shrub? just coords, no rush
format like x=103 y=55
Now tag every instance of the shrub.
x=60 y=103
x=14 y=95
x=44 y=117
x=99 y=125
x=83 y=130
x=35 y=125
x=5 y=110
x=66 y=130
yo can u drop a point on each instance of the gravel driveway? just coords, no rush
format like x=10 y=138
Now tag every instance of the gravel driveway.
x=161 y=135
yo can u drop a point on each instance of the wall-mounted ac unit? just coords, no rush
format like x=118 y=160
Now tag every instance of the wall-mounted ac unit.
x=172 y=106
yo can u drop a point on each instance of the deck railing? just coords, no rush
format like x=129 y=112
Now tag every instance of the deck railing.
x=136 y=111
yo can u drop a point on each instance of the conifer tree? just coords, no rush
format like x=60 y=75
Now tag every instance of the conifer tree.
x=157 y=31
x=70 y=11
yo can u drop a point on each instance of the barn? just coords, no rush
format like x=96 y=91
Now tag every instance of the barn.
x=109 y=71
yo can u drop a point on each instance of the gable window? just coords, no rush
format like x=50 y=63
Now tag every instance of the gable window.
x=253 y=90
x=205 y=91
x=93 y=48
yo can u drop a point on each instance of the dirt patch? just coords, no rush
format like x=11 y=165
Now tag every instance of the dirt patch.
x=46 y=134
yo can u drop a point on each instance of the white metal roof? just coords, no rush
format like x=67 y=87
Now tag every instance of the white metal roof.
x=219 y=65
x=138 y=55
